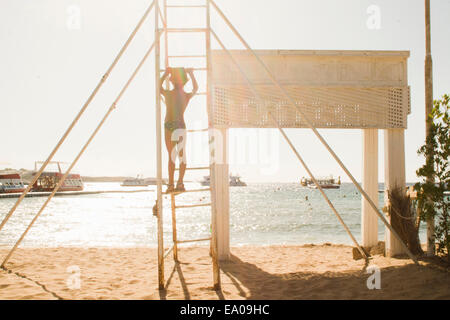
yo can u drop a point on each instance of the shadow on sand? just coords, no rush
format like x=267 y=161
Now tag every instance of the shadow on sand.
x=252 y=282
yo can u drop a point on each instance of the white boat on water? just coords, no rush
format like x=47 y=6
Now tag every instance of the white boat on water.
x=48 y=180
x=235 y=181
x=325 y=183
x=137 y=182
x=11 y=183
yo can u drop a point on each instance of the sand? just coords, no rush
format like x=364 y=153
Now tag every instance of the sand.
x=274 y=272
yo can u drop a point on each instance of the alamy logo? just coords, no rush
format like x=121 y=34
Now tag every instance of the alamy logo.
x=374 y=281
x=73 y=21
x=374 y=20
x=73 y=282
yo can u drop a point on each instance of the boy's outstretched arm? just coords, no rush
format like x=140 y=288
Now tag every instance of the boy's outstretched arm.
x=194 y=81
x=163 y=78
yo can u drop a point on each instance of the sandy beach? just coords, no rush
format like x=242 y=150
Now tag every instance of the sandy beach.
x=274 y=272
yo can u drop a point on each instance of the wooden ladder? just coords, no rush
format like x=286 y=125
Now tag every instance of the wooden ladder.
x=174 y=208
x=203 y=57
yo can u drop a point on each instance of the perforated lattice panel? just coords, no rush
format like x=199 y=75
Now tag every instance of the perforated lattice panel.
x=326 y=107
x=334 y=89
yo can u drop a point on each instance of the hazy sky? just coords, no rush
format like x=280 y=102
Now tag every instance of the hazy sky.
x=53 y=53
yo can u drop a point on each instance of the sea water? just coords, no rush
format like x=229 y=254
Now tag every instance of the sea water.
x=260 y=214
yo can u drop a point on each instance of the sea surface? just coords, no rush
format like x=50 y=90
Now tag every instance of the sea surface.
x=260 y=214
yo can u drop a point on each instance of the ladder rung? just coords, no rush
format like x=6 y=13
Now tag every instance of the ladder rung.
x=195 y=168
x=193 y=240
x=179 y=30
x=192 y=190
x=193 y=205
x=188 y=6
x=198 y=130
x=195 y=69
x=189 y=56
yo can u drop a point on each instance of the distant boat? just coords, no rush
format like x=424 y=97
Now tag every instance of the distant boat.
x=324 y=183
x=234 y=181
x=141 y=182
x=137 y=182
x=206 y=181
x=11 y=183
x=49 y=179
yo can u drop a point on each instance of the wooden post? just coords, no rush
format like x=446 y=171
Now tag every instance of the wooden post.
x=209 y=99
x=428 y=107
x=222 y=197
x=174 y=228
x=166 y=42
x=158 y=152
x=394 y=176
x=369 y=219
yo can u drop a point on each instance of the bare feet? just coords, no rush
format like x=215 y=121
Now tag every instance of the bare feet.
x=155 y=209
x=180 y=187
x=170 y=188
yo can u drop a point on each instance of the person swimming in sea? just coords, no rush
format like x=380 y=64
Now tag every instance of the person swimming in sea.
x=176 y=101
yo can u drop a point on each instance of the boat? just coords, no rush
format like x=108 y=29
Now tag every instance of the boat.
x=49 y=179
x=206 y=181
x=325 y=183
x=11 y=183
x=137 y=182
x=234 y=181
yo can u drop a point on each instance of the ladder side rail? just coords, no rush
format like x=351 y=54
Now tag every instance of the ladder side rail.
x=209 y=100
x=174 y=228
x=166 y=41
x=159 y=197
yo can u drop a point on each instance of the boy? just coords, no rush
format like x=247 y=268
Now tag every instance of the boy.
x=176 y=101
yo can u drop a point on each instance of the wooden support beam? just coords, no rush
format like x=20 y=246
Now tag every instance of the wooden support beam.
x=174 y=228
x=209 y=104
x=369 y=219
x=394 y=176
x=222 y=194
x=158 y=153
